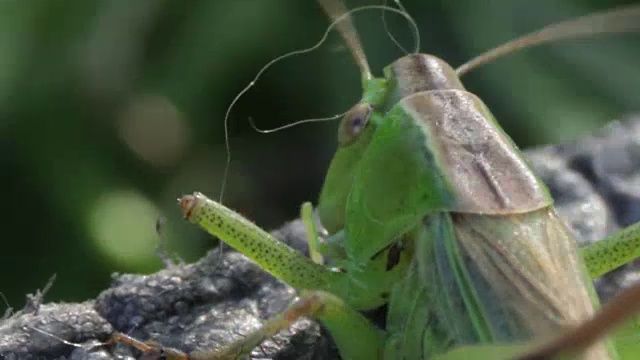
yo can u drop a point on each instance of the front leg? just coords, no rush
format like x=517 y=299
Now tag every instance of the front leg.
x=332 y=248
x=311 y=232
x=328 y=294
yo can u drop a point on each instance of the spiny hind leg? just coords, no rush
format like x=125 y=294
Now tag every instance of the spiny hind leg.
x=342 y=321
x=612 y=252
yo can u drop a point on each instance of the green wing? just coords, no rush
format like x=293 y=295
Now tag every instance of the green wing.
x=531 y=262
x=497 y=279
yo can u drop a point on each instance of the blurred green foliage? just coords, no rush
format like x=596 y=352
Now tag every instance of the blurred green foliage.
x=109 y=110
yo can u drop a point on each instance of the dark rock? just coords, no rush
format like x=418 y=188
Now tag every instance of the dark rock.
x=25 y=335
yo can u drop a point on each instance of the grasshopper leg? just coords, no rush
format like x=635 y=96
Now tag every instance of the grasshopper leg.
x=334 y=314
x=612 y=252
x=311 y=231
x=332 y=247
x=150 y=350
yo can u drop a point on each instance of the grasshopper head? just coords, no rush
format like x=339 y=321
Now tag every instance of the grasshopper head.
x=354 y=134
x=407 y=75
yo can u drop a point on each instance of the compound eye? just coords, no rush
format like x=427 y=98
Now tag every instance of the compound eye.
x=354 y=121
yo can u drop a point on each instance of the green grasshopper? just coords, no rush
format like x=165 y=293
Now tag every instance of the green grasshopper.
x=432 y=211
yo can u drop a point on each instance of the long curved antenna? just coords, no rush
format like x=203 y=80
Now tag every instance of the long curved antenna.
x=620 y=20
x=416 y=34
x=336 y=23
x=336 y=9
x=296 y=123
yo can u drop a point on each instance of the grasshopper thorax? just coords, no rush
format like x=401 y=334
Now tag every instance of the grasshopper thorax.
x=419 y=72
x=406 y=76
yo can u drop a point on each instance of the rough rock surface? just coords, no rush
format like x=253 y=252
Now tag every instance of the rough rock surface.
x=595 y=181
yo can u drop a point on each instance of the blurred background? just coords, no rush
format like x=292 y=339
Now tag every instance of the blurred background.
x=109 y=110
